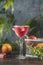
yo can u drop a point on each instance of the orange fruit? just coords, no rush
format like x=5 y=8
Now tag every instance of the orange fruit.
x=9 y=48
x=39 y=45
x=6 y=48
x=32 y=37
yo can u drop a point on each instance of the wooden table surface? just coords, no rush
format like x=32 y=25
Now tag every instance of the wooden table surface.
x=20 y=62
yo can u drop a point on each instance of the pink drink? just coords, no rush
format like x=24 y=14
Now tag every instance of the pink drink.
x=21 y=31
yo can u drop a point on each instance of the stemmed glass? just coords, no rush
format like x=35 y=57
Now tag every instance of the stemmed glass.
x=21 y=32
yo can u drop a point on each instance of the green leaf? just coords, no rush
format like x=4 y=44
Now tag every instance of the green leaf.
x=32 y=29
x=1 y=28
x=8 y=4
x=38 y=33
x=10 y=18
x=17 y=42
x=12 y=8
x=37 y=51
x=31 y=22
x=2 y=24
x=8 y=28
x=2 y=21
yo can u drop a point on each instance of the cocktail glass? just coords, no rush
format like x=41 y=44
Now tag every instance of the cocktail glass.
x=21 y=32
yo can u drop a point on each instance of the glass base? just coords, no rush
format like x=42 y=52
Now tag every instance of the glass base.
x=21 y=57
x=31 y=56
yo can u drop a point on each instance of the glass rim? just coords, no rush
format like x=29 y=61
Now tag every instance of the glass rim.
x=21 y=26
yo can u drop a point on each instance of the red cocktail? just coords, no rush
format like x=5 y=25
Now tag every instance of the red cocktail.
x=21 y=31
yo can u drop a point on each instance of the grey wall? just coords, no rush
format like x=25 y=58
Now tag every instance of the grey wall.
x=26 y=9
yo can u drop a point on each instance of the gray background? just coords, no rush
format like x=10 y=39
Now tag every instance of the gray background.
x=26 y=9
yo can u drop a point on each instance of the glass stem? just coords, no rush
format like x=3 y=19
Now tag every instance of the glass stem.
x=22 y=47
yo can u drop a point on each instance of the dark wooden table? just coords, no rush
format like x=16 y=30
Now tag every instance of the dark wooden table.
x=20 y=62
